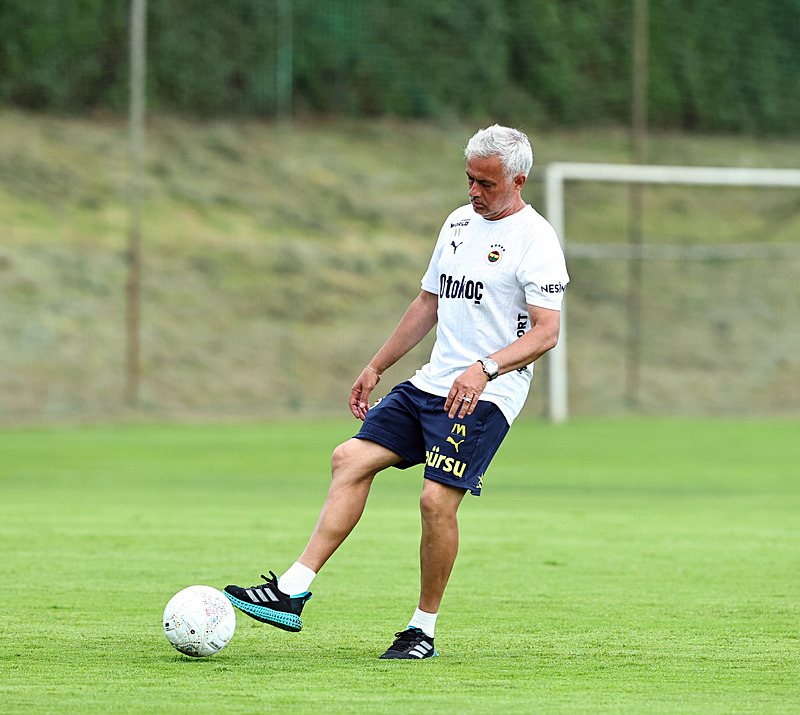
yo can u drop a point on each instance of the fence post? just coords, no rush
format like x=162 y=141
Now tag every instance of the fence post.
x=138 y=40
x=636 y=200
x=285 y=60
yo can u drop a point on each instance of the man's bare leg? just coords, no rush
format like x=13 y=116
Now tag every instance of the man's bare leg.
x=439 y=543
x=280 y=602
x=353 y=467
x=437 y=552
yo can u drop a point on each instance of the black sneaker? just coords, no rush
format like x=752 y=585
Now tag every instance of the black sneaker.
x=268 y=604
x=411 y=643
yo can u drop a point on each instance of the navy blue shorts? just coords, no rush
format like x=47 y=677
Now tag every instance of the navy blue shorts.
x=414 y=425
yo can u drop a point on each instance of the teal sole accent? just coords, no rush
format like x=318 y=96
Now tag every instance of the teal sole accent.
x=279 y=619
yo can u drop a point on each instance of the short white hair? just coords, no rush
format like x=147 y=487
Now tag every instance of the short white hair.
x=511 y=145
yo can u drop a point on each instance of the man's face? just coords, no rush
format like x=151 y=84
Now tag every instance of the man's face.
x=491 y=195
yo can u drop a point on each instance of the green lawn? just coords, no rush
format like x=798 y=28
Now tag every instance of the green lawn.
x=618 y=566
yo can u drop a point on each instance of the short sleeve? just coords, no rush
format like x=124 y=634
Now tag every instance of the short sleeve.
x=542 y=272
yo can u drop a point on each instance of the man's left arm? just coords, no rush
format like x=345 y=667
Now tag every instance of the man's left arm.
x=542 y=336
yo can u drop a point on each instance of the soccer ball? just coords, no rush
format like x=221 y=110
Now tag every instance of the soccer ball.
x=199 y=621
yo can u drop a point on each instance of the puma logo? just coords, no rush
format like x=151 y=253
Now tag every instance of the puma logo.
x=454 y=443
x=455 y=247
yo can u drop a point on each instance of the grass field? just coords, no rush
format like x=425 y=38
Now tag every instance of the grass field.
x=618 y=566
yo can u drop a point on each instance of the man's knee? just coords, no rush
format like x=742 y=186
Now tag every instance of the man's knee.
x=360 y=459
x=439 y=501
x=342 y=456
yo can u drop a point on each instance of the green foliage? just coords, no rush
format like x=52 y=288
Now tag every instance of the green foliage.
x=414 y=59
x=209 y=59
x=63 y=56
x=725 y=66
x=633 y=567
x=732 y=67
x=573 y=58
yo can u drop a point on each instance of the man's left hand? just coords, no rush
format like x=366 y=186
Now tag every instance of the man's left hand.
x=466 y=391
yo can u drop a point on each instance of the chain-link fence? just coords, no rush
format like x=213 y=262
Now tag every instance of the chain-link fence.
x=277 y=255
x=717 y=329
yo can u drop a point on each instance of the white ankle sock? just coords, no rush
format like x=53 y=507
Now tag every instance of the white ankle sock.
x=426 y=622
x=297 y=579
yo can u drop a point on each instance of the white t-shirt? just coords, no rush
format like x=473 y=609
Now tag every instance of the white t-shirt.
x=485 y=274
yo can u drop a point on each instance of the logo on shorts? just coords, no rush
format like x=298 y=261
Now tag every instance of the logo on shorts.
x=450 y=465
x=454 y=443
x=458 y=430
x=436 y=460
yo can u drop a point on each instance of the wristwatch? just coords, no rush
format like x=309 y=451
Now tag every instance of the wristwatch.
x=489 y=367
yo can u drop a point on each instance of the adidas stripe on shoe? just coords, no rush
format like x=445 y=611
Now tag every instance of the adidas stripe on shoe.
x=411 y=644
x=268 y=604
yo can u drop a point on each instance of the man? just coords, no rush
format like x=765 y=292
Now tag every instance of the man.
x=494 y=286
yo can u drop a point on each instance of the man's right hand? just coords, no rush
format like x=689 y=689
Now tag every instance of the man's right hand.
x=359 y=395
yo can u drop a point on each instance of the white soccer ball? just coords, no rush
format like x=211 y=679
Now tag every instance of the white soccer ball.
x=199 y=621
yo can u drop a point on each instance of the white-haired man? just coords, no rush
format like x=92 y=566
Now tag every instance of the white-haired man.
x=493 y=288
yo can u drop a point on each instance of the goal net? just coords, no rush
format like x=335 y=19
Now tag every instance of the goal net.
x=687 y=320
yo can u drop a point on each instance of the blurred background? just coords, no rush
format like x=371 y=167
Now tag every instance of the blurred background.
x=221 y=210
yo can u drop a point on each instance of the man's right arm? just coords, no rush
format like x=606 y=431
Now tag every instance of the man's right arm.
x=412 y=328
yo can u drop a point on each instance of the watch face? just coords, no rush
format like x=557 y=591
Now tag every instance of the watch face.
x=489 y=367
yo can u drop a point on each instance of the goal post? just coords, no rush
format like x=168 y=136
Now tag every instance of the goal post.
x=558 y=173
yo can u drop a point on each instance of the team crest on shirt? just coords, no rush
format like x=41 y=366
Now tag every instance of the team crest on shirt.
x=495 y=254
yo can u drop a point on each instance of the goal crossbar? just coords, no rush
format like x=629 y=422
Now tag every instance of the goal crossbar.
x=555 y=175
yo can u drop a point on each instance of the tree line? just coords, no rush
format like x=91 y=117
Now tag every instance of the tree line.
x=731 y=67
